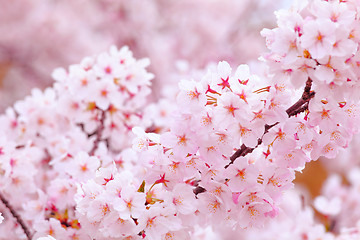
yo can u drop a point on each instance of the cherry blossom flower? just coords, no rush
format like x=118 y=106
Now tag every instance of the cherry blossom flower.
x=326 y=206
x=318 y=37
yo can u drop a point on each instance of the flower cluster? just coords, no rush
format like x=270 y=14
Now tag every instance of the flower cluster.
x=339 y=202
x=318 y=40
x=223 y=158
x=223 y=111
x=186 y=171
x=55 y=139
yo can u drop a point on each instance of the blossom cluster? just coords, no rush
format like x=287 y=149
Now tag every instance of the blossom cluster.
x=301 y=49
x=339 y=202
x=296 y=221
x=55 y=139
x=223 y=111
x=90 y=161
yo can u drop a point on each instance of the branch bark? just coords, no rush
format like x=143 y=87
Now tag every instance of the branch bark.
x=300 y=106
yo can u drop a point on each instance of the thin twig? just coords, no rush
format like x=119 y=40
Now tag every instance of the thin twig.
x=16 y=216
x=98 y=134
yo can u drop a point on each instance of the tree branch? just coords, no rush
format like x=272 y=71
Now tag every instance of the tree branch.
x=305 y=98
x=300 y=106
x=16 y=216
x=198 y=190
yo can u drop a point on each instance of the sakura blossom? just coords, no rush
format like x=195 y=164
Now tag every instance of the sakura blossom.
x=99 y=156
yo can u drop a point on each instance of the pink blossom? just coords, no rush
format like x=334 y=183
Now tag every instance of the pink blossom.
x=318 y=37
x=328 y=207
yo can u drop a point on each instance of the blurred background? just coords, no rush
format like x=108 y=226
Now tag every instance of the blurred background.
x=40 y=35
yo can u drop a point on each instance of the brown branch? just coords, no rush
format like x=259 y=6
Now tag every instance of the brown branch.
x=16 y=216
x=301 y=109
x=244 y=150
x=304 y=100
x=198 y=190
x=294 y=109
x=238 y=153
x=98 y=134
x=300 y=106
